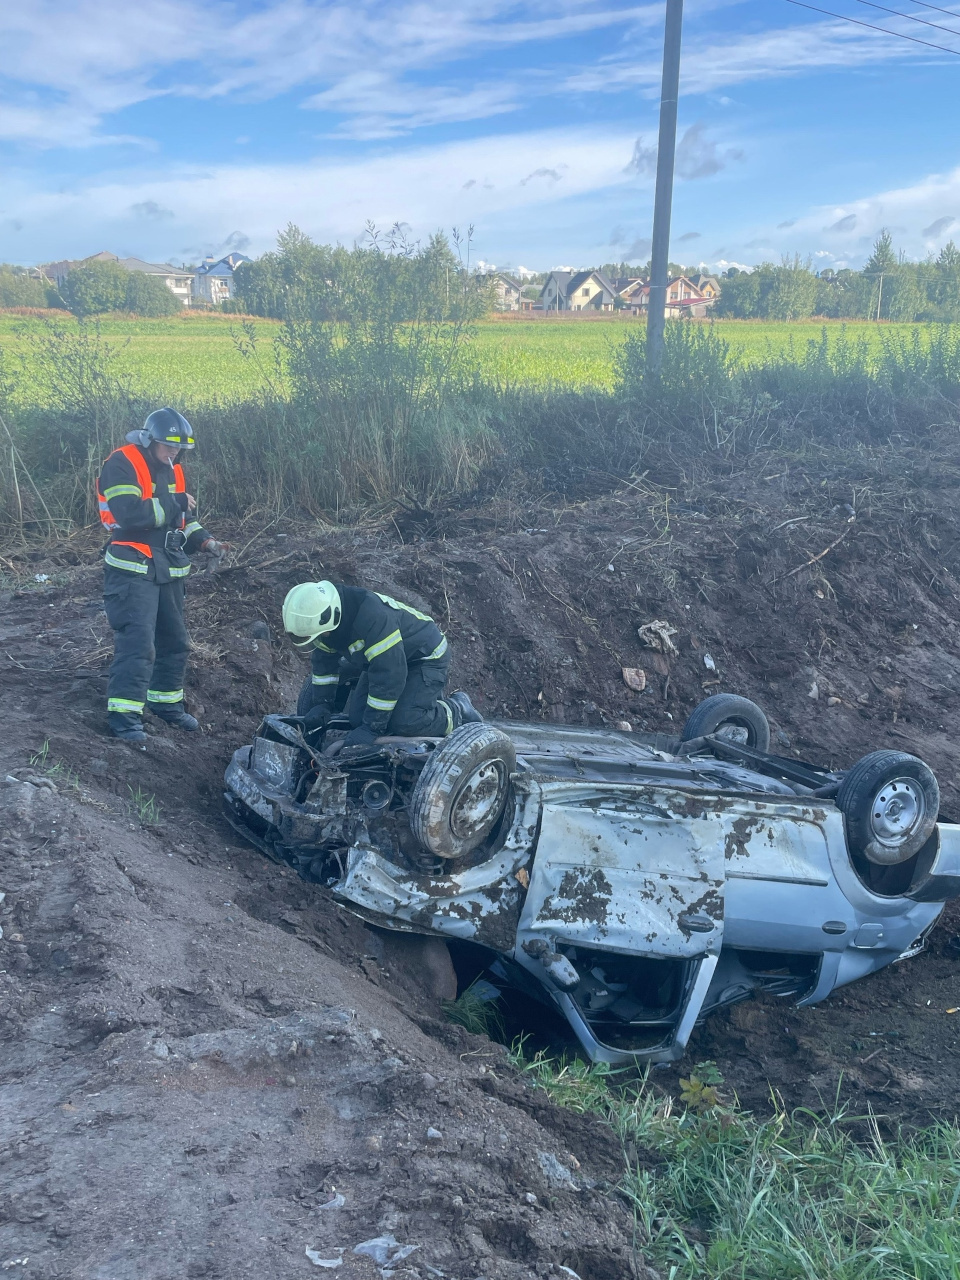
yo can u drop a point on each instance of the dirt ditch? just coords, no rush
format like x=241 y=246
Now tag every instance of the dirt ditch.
x=203 y=1055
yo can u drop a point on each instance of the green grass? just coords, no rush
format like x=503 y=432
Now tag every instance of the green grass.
x=145 y=806
x=721 y=1195
x=188 y=361
x=193 y=361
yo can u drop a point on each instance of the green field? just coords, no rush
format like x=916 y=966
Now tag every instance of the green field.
x=194 y=360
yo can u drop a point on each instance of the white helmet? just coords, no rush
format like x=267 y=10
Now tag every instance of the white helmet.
x=311 y=609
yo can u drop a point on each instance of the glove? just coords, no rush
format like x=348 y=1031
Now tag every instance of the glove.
x=362 y=736
x=316 y=718
x=214 y=548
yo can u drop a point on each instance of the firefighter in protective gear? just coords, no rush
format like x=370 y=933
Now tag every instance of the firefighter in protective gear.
x=151 y=520
x=397 y=656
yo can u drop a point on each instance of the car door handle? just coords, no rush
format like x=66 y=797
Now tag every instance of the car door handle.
x=696 y=922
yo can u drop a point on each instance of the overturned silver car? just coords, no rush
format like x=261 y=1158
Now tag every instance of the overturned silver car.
x=636 y=881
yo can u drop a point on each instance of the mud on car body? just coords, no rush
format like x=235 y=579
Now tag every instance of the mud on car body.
x=635 y=881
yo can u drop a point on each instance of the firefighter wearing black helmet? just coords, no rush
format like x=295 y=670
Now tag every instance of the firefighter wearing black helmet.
x=151 y=520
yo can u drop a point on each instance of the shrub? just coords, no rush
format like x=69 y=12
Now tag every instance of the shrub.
x=148 y=296
x=17 y=289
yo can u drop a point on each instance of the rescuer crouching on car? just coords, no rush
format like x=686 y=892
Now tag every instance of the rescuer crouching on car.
x=395 y=657
x=145 y=507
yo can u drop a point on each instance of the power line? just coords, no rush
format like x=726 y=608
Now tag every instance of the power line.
x=912 y=17
x=936 y=8
x=872 y=27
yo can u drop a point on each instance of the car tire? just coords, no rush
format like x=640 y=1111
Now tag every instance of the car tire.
x=462 y=790
x=727 y=712
x=305 y=700
x=890 y=801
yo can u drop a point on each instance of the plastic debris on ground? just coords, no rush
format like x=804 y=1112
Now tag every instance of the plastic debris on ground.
x=658 y=635
x=385 y=1250
x=315 y=1258
x=335 y=1203
x=709 y=663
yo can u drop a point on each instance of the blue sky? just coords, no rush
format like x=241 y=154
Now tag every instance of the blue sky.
x=173 y=128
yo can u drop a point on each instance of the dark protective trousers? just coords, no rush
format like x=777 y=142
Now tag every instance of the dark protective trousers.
x=418 y=710
x=150 y=643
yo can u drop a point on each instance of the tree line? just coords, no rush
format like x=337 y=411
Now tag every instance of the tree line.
x=91 y=289
x=388 y=277
x=887 y=288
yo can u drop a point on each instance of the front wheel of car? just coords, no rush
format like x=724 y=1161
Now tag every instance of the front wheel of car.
x=890 y=801
x=462 y=790
x=729 y=716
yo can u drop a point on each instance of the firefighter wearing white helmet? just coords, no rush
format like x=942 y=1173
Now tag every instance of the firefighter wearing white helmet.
x=395 y=658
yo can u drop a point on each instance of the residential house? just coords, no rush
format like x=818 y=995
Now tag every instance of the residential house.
x=179 y=280
x=507 y=292
x=631 y=293
x=577 y=291
x=683 y=298
x=709 y=286
x=213 y=281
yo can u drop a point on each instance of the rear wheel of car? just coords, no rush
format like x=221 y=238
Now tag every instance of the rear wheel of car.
x=890 y=801
x=461 y=792
x=729 y=716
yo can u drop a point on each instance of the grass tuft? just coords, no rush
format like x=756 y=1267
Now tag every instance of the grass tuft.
x=65 y=778
x=719 y=1193
x=146 y=807
x=476 y=1011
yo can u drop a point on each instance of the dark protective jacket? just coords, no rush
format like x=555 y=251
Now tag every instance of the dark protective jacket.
x=382 y=635
x=139 y=521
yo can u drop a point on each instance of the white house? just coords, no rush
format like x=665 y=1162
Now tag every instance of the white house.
x=177 y=279
x=213 y=281
x=507 y=292
x=577 y=291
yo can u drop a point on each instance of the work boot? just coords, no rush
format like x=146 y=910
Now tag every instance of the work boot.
x=174 y=713
x=467 y=711
x=126 y=725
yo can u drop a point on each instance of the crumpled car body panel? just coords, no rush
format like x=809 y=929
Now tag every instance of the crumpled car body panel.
x=632 y=889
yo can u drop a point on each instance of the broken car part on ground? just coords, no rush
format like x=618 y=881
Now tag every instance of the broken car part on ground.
x=636 y=881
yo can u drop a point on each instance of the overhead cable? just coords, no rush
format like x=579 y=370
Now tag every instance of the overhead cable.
x=897 y=35
x=912 y=17
x=936 y=8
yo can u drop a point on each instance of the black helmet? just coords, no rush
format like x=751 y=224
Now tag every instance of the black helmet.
x=166 y=426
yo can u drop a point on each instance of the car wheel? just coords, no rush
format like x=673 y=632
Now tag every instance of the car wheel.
x=461 y=792
x=890 y=801
x=305 y=700
x=729 y=716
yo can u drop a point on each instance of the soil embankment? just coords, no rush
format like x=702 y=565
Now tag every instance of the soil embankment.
x=201 y=1054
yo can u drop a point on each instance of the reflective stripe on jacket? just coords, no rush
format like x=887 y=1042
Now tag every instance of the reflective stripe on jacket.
x=140 y=502
x=383 y=636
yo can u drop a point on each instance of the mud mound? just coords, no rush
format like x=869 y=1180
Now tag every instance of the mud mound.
x=201 y=1052
x=190 y=1090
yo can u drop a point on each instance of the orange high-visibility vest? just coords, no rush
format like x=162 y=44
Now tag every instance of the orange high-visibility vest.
x=145 y=481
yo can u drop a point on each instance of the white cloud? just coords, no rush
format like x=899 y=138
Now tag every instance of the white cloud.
x=66 y=65
x=844 y=235
x=331 y=200
x=713 y=62
x=915 y=212
x=379 y=106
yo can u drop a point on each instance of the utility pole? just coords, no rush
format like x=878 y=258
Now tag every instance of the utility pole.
x=879 y=296
x=663 y=197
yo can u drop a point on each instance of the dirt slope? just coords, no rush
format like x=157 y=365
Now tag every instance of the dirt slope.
x=199 y=1051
